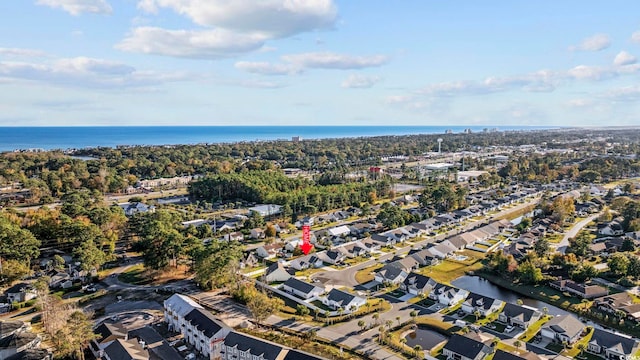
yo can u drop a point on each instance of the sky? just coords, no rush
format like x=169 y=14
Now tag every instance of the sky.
x=319 y=62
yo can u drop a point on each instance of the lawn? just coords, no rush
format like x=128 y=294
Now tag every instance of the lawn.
x=135 y=275
x=321 y=306
x=533 y=329
x=447 y=270
x=365 y=275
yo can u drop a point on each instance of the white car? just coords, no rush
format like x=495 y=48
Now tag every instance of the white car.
x=509 y=328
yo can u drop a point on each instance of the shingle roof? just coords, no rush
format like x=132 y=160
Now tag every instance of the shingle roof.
x=106 y=330
x=503 y=355
x=479 y=301
x=30 y=354
x=565 y=324
x=126 y=350
x=465 y=346
x=418 y=281
x=204 y=321
x=518 y=312
x=610 y=340
x=299 y=355
x=268 y=350
x=17 y=340
x=341 y=297
x=299 y=285
x=181 y=304
x=7 y=327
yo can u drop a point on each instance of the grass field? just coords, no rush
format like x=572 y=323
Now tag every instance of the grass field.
x=135 y=275
x=365 y=275
x=447 y=270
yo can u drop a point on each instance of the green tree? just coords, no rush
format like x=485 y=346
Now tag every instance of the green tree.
x=72 y=340
x=579 y=245
x=216 y=265
x=16 y=243
x=89 y=255
x=529 y=273
x=262 y=306
x=618 y=264
x=541 y=247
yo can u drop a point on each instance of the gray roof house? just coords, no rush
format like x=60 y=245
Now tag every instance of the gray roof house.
x=301 y=288
x=517 y=315
x=465 y=348
x=237 y=346
x=391 y=273
x=338 y=299
x=484 y=304
x=611 y=346
x=417 y=284
x=563 y=328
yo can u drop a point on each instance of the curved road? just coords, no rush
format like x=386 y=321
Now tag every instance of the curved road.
x=575 y=229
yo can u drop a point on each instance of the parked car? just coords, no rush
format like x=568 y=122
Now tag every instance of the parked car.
x=509 y=328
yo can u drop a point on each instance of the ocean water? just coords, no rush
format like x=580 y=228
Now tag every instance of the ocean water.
x=48 y=138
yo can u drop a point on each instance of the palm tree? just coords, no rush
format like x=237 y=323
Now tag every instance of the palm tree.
x=519 y=302
x=403 y=341
x=413 y=315
x=418 y=349
x=398 y=320
x=376 y=317
x=389 y=323
x=381 y=334
x=477 y=314
x=361 y=324
x=545 y=310
x=517 y=344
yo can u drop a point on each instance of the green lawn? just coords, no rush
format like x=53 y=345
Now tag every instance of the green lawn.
x=365 y=275
x=447 y=270
x=533 y=329
x=135 y=275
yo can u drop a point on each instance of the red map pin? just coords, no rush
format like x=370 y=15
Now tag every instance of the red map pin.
x=306 y=246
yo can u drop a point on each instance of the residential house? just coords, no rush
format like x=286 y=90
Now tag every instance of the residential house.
x=20 y=292
x=353 y=249
x=132 y=208
x=269 y=251
x=442 y=250
x=276 y=272
x=8 y=327
x=340 y=231
x=503 y=355
x=234 y=236
x=417 y=284
x=32 y=354
x=563 y=328
x=425 y=258
x=301 y=288
x=306 y=262
x=371 y=245
x=125 y=350
x=391 y=273
x=612 y=303
x=359 y=229
x=334 y=257
x=632 y=312
x=582 y=290
x=613 y=228
x=517 y=315
x=291 y=245
x=18 y=342
x=106 y=334
x=383 y=240
x=447 y=295
x=59 y=280
x=154 y=343
x=338 y=299
x=205 y=333
x=483 y=304
x=299 y=355
x=238 y=346
x=176 y=309
x=249 y=260
x=461 y=347
x=257 y=233
x=611 y=345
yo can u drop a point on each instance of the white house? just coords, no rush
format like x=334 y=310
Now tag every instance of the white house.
x=276 y=273
x=391 y=274
x=257 y=233
x=269 y=251
x=338 y=299
x=306 y=262
x=341 y=231
x=484 y=304
x=417 y=284
x=205 y=332
x=176 y=308
x=301 y=288
x=447 y=295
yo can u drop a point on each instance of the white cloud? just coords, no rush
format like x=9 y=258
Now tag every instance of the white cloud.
x=276 y=18
x=356 y=81
x=84 y=72
x=627 y=93
x=635 y=37
x=77 y=7
x=596 y=42
x=265 y=68
x=201 y=44
x=624 y=58
x=326 y=60
x=580 y=103
x=20 y=52
x=586 y=72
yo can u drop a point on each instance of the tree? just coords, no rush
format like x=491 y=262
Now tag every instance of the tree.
x=11 y=270
x=302 y=310
x=16 y=243
x=628 y=245
x=262 y=306
x=72 y=339
x=414 y=315
x=270 y=231
x=583 y=272
x=216 y=265
x=529 y=273
x=517 y=344
x=580 y=244
x=541 y=247
x=618 y=264
x=418 y=350
x=90 y=257
x=362 y=324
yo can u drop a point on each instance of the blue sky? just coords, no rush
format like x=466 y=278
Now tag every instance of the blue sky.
x=319 y=62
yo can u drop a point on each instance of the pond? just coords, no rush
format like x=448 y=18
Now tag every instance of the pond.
x=484 y=287
x=426 y=338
